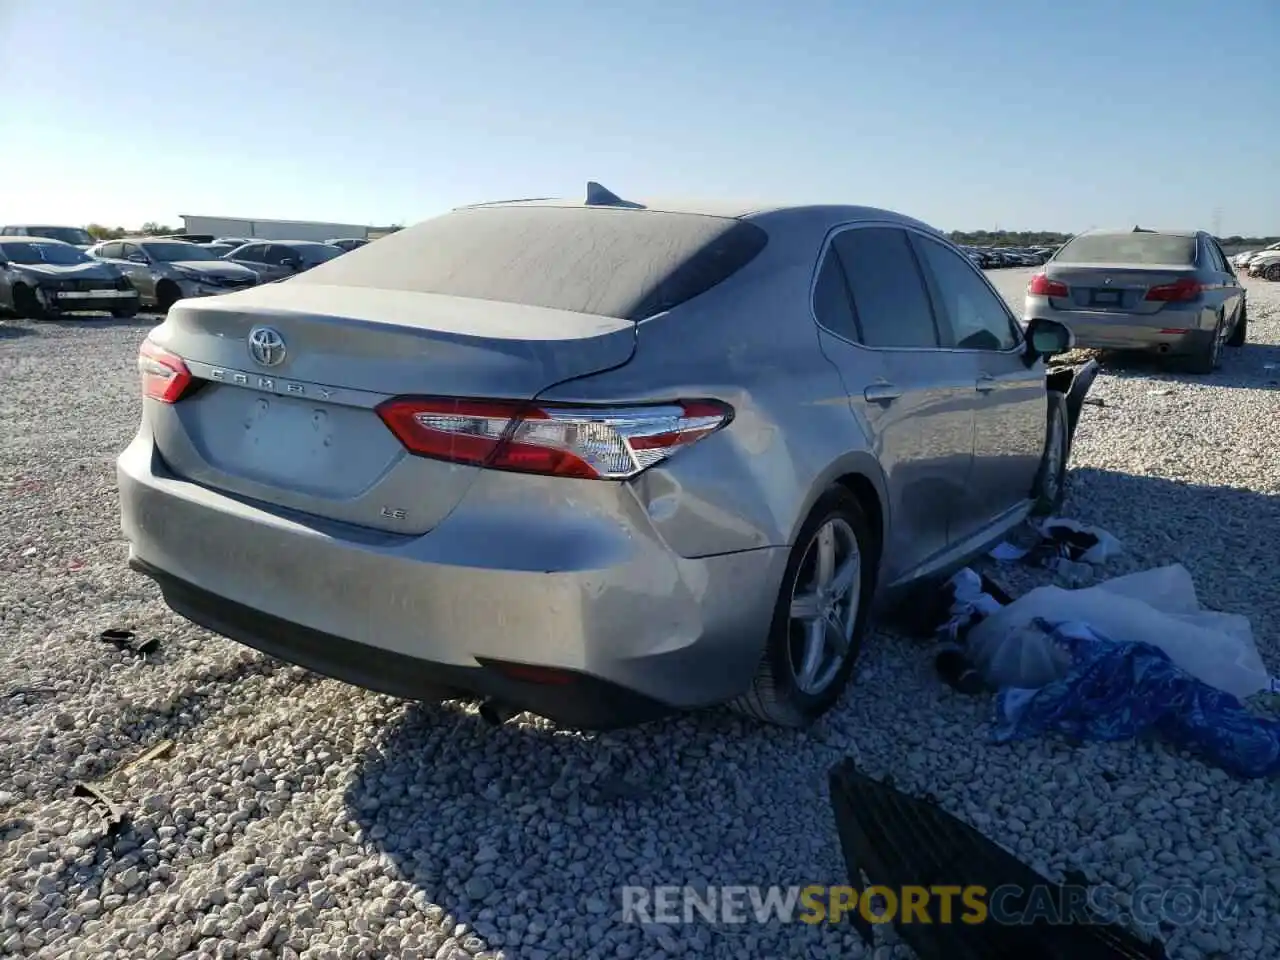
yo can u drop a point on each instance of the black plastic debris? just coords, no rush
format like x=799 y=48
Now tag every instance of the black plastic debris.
x=900 y=841
x=114 y=815
x=128 y=640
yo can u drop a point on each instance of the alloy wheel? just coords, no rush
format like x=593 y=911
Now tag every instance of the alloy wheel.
x=824 y=606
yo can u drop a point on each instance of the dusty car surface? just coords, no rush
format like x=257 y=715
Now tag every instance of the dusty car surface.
x=42 y=278
x=165 y=271
x=1170 y=292
x=596 y=460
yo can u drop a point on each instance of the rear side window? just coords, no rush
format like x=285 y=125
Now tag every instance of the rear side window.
x=889 y=297
x=831 y=299
x=1141 y=248
x=1213 y=257
x=628 y=264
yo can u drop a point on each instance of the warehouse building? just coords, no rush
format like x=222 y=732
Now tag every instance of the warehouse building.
x=279 y=229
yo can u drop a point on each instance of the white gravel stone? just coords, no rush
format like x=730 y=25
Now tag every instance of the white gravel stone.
x=301 y=818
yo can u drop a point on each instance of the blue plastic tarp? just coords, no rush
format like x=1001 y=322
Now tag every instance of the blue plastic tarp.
x=1120 y=690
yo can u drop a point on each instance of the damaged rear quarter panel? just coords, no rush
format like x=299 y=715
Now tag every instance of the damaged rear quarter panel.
x=750 y=345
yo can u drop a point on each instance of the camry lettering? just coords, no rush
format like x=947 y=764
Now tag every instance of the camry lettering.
x=269 y=384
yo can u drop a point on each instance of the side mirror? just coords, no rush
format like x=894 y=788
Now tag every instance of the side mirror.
x=137 y=258
x=291 y=263
x=1047 y=338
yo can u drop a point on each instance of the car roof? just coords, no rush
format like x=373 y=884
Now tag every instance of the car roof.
x=1114 y=231
x=764 y=214
x=26 y=239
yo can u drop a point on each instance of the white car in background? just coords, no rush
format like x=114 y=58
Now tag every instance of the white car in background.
x=1266 y=263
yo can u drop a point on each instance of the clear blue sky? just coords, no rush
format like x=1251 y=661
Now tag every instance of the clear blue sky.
x=1024 y=114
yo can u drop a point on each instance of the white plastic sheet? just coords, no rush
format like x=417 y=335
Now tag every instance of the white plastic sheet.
x=1157 y=606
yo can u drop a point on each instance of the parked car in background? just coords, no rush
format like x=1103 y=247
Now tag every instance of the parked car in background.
x=1171 y=292
x=76 y=236
x=1266 y=263
x=281 y=259
x=523 y=413
x=348 y=243
x=166 y=271
x=220 y=249
x=42 y=278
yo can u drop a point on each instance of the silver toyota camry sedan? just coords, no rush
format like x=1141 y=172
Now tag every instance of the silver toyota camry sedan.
x=598 y=460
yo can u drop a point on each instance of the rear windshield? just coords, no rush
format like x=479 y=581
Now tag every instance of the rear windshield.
x=628 y=264
x=1129 y=248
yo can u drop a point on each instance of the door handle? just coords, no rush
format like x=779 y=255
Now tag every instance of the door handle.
x=882 y=393
x=985 y=384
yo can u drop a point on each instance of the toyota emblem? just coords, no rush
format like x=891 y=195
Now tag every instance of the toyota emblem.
x=266 y=346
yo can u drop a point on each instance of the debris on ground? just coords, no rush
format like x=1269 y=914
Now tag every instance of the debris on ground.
x=1121 y=690
x=893 y=841
x=1158 y=607
x=114 y=815
x=128 y=640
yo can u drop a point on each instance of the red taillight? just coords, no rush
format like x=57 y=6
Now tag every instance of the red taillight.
x=1184 y=290
x=1042 y=286
x=164 y=376
x=594 y=443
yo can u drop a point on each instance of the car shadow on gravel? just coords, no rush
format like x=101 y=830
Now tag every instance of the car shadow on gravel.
x=1218 y=533
x=530 y=824
x=1255 y=365
x=10 y=331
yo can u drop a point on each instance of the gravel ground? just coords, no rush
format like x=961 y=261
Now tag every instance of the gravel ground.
x=298 y=817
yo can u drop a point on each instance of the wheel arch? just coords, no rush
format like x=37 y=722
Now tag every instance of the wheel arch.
x=859 y=473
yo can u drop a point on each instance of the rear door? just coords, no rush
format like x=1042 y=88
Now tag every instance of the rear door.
x=903 y=388
x=1228 y=288
x=985 y=341
x=253 y=256
x=140 y=274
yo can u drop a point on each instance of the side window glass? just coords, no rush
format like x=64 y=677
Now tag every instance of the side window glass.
x=127 y=250
x=978 y=317
x=252 y=252
x=1215 y=256
x=831 y=299
x=110 y=251
x=274 y=254
x=889 y=296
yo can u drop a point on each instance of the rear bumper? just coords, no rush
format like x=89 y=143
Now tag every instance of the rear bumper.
x=642 y=631
x=591 y=703
x=1173 y=332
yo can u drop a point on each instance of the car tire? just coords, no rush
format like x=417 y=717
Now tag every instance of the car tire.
x=167 y=294
x=1241 y=331
x=1209 y=357
x=1051 y=479
x=27 y=304
x=1272 y=272
x=783 y=692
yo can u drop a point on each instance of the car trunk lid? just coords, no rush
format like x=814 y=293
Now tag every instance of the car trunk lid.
x=289 y=377
x=1117 y=288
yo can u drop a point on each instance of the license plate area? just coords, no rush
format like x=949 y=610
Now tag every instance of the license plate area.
x=283 y=432
x=1106 y=298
